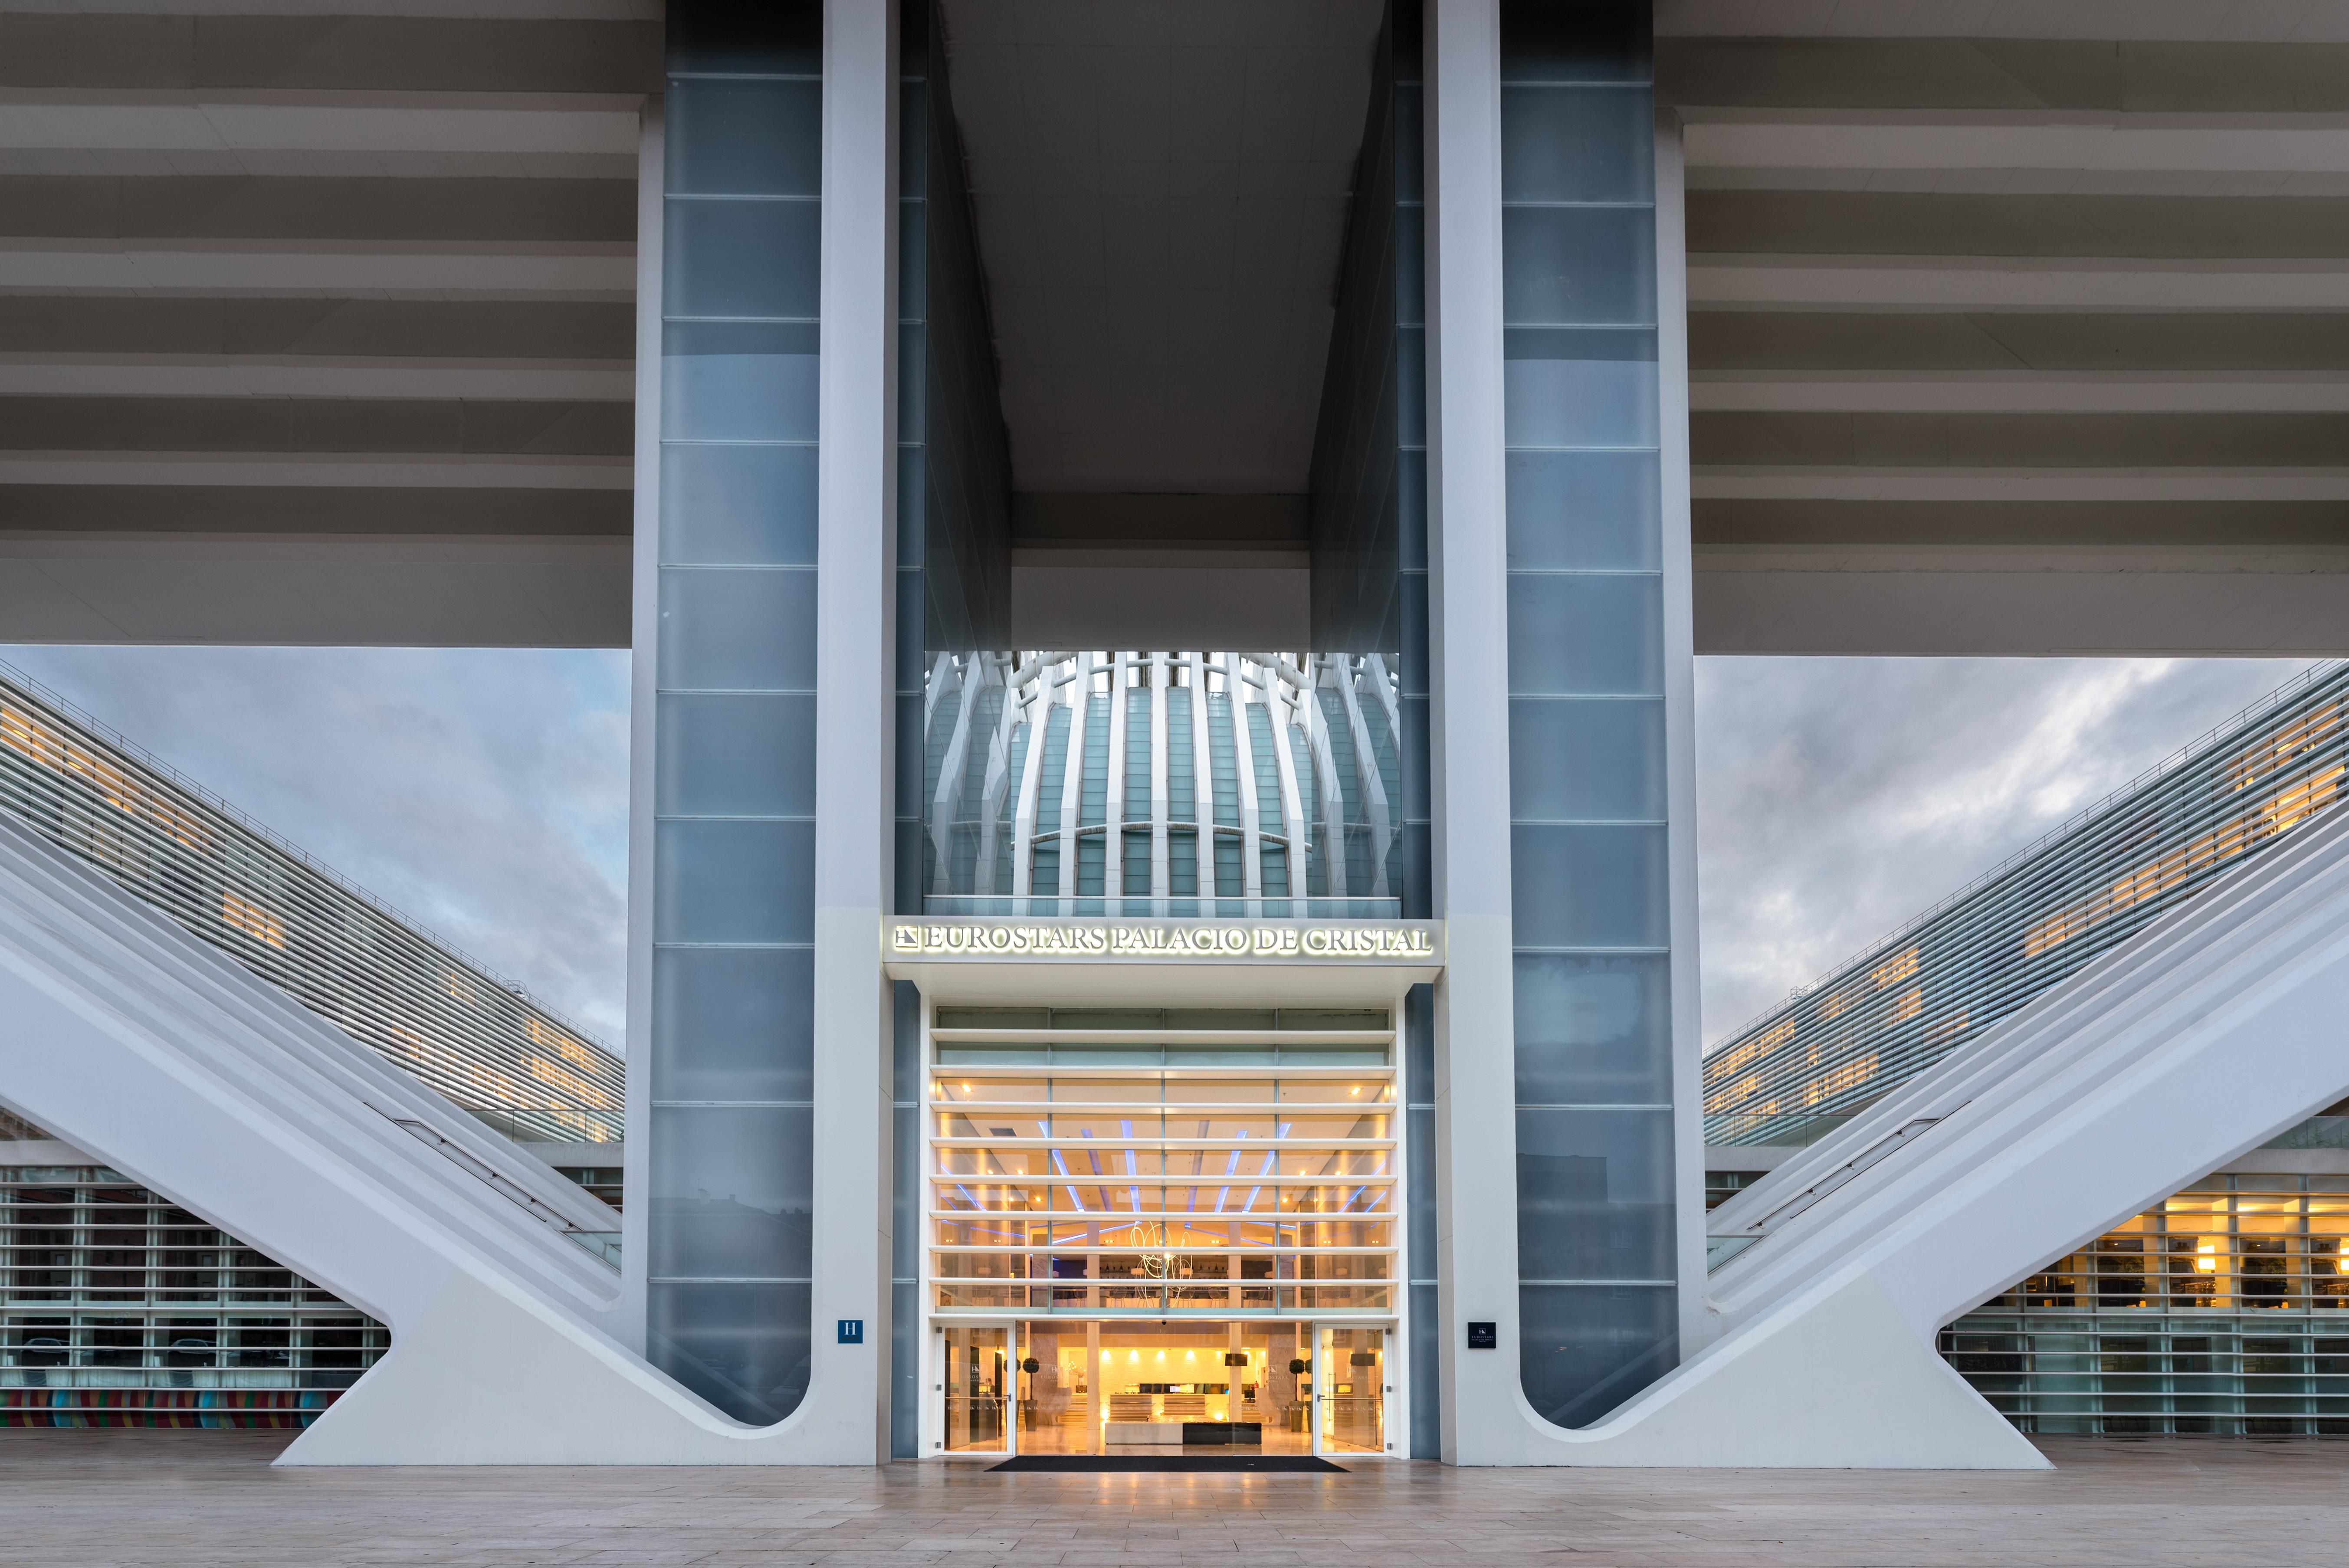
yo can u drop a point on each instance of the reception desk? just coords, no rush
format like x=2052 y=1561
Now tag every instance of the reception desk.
x=1183 y=1433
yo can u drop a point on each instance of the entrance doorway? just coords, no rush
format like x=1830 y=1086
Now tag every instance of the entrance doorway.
x=976 y=1368
x=1144 y=1387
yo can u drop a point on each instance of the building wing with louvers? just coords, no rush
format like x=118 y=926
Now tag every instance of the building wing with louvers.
x=476 y=1038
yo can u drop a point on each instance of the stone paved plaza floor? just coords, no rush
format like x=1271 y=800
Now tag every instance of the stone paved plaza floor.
x=190 y=1498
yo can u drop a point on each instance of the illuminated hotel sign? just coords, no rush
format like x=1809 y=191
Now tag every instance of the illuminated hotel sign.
x=1072 y=939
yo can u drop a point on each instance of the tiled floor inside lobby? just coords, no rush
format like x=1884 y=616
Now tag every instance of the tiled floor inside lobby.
x=192 y=1498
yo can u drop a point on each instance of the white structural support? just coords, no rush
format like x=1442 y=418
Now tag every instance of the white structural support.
x=1475 y=1127
x=172 y=1064
x=2204 y=1036
x=845 y=1417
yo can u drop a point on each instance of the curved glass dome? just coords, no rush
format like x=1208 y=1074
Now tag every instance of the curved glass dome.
x=1175 y=784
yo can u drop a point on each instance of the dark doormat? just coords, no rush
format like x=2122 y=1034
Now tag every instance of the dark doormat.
x=1165 y=1462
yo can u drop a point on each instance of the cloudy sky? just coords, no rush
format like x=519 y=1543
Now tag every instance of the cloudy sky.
x=485 y=793
x=1838 y=797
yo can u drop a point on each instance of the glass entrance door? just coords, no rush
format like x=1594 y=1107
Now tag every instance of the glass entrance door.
x=977 y=1380
x=1350 y=1390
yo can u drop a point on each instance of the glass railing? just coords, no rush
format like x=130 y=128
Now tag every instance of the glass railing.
x=602 y=1244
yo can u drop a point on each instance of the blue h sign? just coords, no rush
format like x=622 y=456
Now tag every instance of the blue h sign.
x=852 y=1331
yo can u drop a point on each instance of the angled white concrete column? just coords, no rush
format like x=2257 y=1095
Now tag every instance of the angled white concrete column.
x=1475 y=1137
x=643 y=672
x=1680 y=725
x=848 y=1391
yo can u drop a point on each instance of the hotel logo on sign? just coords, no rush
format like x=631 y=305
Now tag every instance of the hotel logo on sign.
x=1070 y=940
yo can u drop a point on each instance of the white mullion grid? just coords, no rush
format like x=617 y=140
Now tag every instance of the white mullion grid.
x=1243 y=763
x=1072 y=778
x=1166 y=1081
x=1325 y=771
x=1374 y=789
x=998 y=771
x=949 y=786
x=1038 y=709
x=1282 y=712
x=1113 y=791
x=1203 y=782
x=1160 y=677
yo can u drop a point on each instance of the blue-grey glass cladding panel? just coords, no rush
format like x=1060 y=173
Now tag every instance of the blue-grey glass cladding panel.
x=1411 y=662
x=732 y=1189
x=912 y=253
x=913 y=468
x=1419 y=1045
x=1584 y=510
x=1411 y=264
x=727 y=505
x=734 y=881
x=734 y=259
x=905 y=1370
x=1579 y=388
x=1426 y=1374
x=1585 y=636
x=911 y=382
x=1419 y=1165
x=1578 y=264
x=911 y=754
x=745 y=138
x=1586 y=759
x=1594 y=1194
x=1411 y=511
x=1410 y=375
x=1571 y=144
x=905 y=1042
x=1593 y=1029
x=743 y=1347
x=1588 y=1348
x=1588 y=887
x=1416 y=793
x=734 y=1023
x=753 y=396
x=905 y=1187
x=751 y=756
x=738 y=631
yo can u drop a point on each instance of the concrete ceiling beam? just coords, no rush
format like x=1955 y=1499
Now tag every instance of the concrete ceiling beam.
x=261 y=376
x=2002 y=392
x=579 y=270
x=1926 y=484
x=390 y=470
x=1723 y=281
x=2060 y=142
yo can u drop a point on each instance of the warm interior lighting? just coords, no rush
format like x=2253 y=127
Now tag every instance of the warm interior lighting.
x=2206 y=1259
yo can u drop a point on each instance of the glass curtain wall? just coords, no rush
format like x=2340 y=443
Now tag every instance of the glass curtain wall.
x=953 y=502
x=1368 y=490
x=1252 y=1176
x=124 y=1310
x=1177 y=785
x=1595 y=1239
x=730 y=1173
x=2223 y=1310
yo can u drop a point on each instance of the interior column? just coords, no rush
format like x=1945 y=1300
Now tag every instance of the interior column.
x=1093 y=1444
x=1233 y=1375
